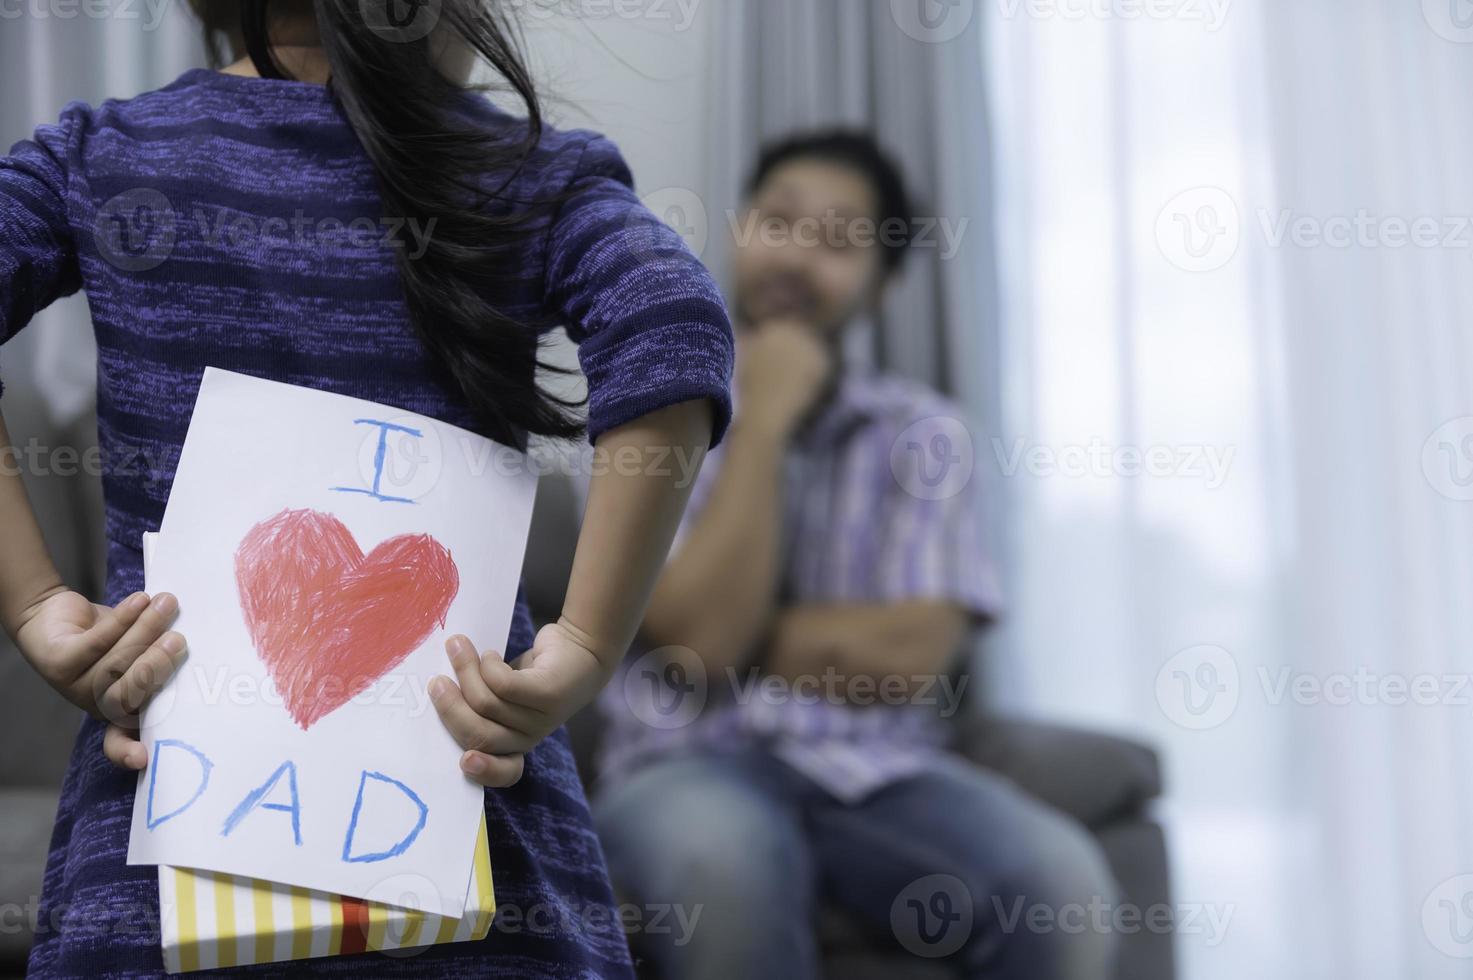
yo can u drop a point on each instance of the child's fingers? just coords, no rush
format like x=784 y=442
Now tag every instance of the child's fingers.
x=494 y=771
x=152 y=622
x=471 y=671
x=107 y=629
x=121 y=702
x=123 y=748
x=468 y=673
x=528 y=689
x=114 y=622
x=521 y=716
x=469 y=728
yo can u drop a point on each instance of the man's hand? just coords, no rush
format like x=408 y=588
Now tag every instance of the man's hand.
x=782 y=370
x=106 y=660
x=498 y=712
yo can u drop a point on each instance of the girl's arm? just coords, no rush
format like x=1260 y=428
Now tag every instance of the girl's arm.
x=655 y=344
x=636 y=498
x=107 y=660
x=629 y=522
x=27 y=574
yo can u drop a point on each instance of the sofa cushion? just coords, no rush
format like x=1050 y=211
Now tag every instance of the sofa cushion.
x=1093 y=777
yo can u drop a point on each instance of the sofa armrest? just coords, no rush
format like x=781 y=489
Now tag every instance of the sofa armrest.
x=1095 y=778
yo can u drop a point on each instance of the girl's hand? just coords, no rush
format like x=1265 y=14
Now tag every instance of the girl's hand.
x=106 y=660
x=499 y=712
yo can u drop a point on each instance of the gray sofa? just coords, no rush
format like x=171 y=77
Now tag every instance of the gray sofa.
x=1106 y=783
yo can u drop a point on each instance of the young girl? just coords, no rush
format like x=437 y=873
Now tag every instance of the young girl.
x=335 y=114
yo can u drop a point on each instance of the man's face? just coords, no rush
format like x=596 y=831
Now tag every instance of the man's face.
x=811 y=252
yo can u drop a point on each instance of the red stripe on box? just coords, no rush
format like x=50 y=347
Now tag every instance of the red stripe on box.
x=355 y=925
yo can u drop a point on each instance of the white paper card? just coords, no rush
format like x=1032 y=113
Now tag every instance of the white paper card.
x=322 y=548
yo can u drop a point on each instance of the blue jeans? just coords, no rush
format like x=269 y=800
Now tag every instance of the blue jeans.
x=955 y=864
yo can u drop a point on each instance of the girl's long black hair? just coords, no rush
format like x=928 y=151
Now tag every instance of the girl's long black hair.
x=433 y=162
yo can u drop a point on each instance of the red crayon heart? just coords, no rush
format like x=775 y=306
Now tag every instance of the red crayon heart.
x=328 y=621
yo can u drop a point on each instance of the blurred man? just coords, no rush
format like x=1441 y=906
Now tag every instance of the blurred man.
x=782 y=743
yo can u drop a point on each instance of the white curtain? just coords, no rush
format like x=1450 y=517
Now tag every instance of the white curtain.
x=1237 y=387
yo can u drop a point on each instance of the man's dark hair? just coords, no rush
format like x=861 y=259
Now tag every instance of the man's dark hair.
x=859 y=151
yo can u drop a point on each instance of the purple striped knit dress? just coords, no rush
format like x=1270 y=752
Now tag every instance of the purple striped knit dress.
x=309 y=300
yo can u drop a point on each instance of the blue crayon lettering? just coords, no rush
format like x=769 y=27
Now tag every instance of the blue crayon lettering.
x=384 y=428
x=205 y=766
x=404 y=842
x=254 y=797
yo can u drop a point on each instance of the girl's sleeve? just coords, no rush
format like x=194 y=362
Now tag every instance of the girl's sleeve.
x=649 y=321
x=38 y=256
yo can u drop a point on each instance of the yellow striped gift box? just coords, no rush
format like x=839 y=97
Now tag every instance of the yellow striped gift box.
x=212 y=920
